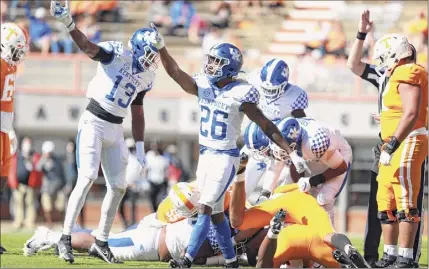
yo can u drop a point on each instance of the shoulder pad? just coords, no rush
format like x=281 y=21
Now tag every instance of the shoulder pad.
x=409 y=73
x=115 y=47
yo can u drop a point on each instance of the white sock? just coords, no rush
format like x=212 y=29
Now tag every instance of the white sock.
x=76 y=202
x=108 y=211
x=406 y=252
x=54 y=237
x=391 y=250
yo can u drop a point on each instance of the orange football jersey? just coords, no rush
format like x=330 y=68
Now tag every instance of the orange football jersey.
x=392 y=112
x=7 y=86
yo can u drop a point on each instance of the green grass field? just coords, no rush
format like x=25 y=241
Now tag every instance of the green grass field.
x=13 y=258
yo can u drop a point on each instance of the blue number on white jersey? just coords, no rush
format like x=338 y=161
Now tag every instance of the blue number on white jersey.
x=221 y=116
x=115 y=86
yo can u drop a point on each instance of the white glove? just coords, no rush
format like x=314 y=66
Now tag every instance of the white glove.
x=304 y=184
x=140 y=154
x=13 y=142
x=299 y=162
x=156 y=38
x=62 y=14
x=385 y=158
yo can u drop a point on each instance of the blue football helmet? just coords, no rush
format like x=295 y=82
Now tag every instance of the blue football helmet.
x=145 y=55
x=274 y=78
x=222 y=61
x=257 y=142
x=292 y=132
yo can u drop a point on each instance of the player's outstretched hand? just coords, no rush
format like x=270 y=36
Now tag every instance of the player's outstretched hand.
x=277 y=223
x=62 y=14
x=299 y=162
x=155 y=38
x=365 y=22
x=304 y=184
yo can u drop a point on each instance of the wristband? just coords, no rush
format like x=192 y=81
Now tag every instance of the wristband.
x=316 y=180
x=140 y=148
x=392 y=145
x=272 y=235
x=361 y=36
x=240 y=178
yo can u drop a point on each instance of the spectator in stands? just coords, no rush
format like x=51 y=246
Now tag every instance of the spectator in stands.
x=61 y=40
x=53 y=181
x=157 y=169
x=25 y=181
x=213 y=37
x=417 y=29
x=317 y=36
x=336 y=41
x=40 y=31
x=159 y=13
x=3 y=11
x=134 y=177
x=89 y=27
x=71 y=175
x=198 y=28
x=176 y=171
x=222 y=13
x=181 y=13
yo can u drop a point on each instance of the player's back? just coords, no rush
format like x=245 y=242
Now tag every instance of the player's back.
x=7 y=90
x=392 y=109
x=116 y=84
x=221 y=114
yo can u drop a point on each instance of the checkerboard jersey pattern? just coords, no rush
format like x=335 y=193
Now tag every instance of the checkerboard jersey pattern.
x=319 y=143
x=301 y=102
x=252 y=96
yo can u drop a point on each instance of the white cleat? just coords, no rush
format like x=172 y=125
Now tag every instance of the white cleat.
x=39 y=241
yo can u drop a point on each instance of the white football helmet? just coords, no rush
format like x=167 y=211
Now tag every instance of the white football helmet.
x=185 y=197
x=14 y=43
x=389 y=50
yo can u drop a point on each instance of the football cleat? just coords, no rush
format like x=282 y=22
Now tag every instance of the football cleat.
x=180 y=263
x=39 y=241
x=357 y=258
x=101 y=250
x=402 y=262
x=233 y=264
x=2 y=250
x=386 y=261
x=65 y=250
x=342 y=259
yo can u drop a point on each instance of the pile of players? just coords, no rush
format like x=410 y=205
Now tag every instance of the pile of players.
x=303 y=162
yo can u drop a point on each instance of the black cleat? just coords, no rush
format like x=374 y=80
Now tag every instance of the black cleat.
x=2 y=250
x=233 y=264
x=180 y=263
x=402 y=262
x=65 y=250
x=101 y=250
x=386 y=261
x=357 y=258
x=342 y=259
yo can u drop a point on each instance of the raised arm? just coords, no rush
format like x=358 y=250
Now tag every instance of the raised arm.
x=170 y=65
x=354 y=62
x=62 y=14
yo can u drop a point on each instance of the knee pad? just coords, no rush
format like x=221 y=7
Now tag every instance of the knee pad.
x=387 y=217
x=325 y=199
x=410 y=215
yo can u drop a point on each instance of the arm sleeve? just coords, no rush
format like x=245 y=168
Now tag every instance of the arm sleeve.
x=301 y=102
x=139 y=98
x=370 y=75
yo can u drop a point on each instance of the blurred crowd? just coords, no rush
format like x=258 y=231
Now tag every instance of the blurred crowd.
x=41 y=181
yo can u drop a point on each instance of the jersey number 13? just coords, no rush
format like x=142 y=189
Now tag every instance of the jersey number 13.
x=112 y=95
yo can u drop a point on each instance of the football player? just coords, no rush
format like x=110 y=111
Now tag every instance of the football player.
x=124 y=75
x=278 y=99
x=14 y=47
x=223 y=101
x=301 y=209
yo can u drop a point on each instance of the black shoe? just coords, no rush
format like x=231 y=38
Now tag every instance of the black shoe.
x=180 y=263
x=342 y=259
x=233 y=264
x=2 y=249
x=65 y=250
x=372 y=263
x=101 y=250
x=386 y=261
x=402 y=262
x=357 y=258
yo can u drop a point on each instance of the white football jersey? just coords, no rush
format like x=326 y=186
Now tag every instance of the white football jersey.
x=320 y=141
x=116 y=84
x=276 y=109
x=221 y=117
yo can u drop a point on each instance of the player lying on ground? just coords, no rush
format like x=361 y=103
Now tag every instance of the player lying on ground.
x=278 y=99
x=223 y=101
x=302 y=209
x=124 y=75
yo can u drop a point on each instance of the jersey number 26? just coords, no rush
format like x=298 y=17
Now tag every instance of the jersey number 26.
x=111 y=96
x=216 y=123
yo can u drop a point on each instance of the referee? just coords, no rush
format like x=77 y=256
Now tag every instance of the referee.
x=368 y=73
